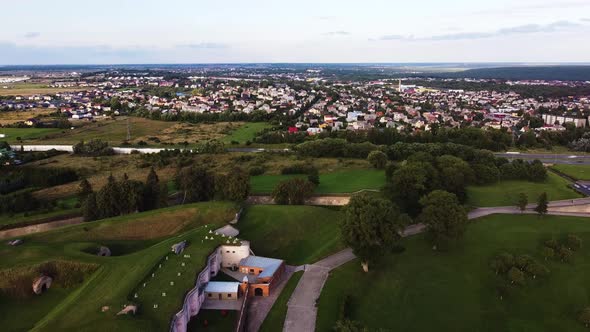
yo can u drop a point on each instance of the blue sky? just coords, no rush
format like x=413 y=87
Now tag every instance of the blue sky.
x=191 y=31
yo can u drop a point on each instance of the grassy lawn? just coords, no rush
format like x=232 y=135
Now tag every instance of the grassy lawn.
x=579 y=172
x=26 y=134
x=246 y=132
x=505 y=193
x=213 y=320
x=30 y=219
x=276 y=317
x=297 y=234
x=35 y=89
x=140 y=243
x=424 y=290
x=345 y=181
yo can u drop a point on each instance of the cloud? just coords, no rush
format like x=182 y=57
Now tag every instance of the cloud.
x=31 y=35
x=537 y=6
x=585 y=19
x=205 y=46
x=336 y=33
x=521 y=29
x=326 y=18
x=394 y=37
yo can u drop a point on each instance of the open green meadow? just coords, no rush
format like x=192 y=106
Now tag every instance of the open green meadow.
x=424 y=290
x=338 y=182
x=297 y=234
x=26 y=134
x=245 y=133
x=505 y=193
x=578 y=172
x=139 y=243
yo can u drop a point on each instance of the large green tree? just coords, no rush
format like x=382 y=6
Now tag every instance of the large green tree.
x=90 y=208
x=293 y=191
x=196 y=183
x=371 y=227
x=542 y=204
x=152 y=191
x=444 y=217
x=410 y=182
x=234 y=186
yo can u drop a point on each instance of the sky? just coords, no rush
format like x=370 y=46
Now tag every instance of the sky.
x=327 y=31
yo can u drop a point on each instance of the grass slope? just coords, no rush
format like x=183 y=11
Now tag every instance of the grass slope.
x=297 y=234
x=140 y=242
x=346 y=181
x=579 y=172
x=424 y=290
x=505 y=193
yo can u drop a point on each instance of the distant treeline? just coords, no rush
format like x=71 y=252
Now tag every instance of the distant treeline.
x=561 y=73
x=193 y=117
x=15 y=179
x=527 y=91
x=490 y=139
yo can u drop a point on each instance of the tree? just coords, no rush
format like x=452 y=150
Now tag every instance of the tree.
x=535 y=269
x=377 y=159
x=548 y=253
x=584 y=317
x=90 y=208
x=294 y=191
x=542 y=204
x=444 y=218
x=573 y=242
x=565 y=254
x=523 y=201
x=234 y=186
x=108 y=199
x=502 y=263
x=196 y=183
x=409 y=183
x=84 y=189
x=516 y=276
x=371 y=227
x=131 y=195
x=151 y=192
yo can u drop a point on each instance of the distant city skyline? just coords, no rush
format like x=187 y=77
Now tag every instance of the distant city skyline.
x=329 y=31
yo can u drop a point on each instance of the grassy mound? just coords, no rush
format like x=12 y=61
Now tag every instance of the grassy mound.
x=424 y=290
x=297 y=234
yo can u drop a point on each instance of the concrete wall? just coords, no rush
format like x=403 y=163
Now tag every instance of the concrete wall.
x=315 y=200
x=224 y=296
x=232 y=255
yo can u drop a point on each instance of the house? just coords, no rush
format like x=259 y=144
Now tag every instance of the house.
x=267 y=272
x=222 y=290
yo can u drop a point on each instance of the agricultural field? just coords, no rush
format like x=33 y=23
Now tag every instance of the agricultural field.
x=34 y=89
x=578 y=172
x=11 y=117
x=457 y=291
x=343 y=181
x=140 y=244
x=297 y=234
x=505 y=193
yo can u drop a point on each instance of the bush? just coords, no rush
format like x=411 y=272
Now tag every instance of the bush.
x=256 y=170
x=377 y=159
x=293 y=191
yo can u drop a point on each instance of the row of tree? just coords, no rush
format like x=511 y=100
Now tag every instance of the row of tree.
x=126 y=196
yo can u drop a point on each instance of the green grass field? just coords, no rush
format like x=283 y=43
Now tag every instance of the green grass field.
x=139 y=243
x=339 y=182
x=297 y=234
x=26 y=134
x=578 y=172
x=276 y=317
x=424 y=290
x=505 y=193
x=246 y=132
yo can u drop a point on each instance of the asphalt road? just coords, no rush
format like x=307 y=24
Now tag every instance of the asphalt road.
x=569 y=159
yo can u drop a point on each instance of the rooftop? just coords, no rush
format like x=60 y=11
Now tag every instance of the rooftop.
x=268 y=265
x=222 y=287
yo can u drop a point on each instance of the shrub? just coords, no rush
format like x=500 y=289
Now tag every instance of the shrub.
x=377 y=159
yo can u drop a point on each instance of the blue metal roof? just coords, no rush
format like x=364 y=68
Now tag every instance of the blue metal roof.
x=268 y=265
x=222 y=287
